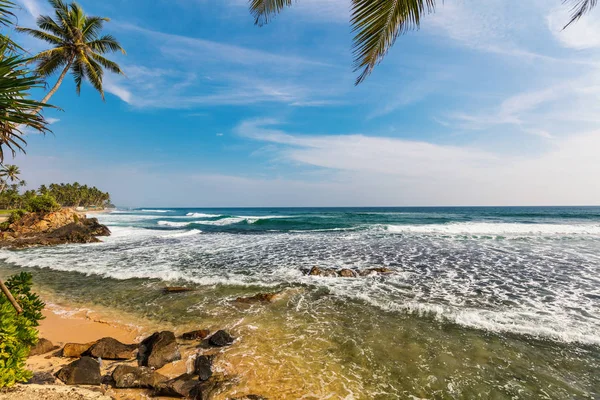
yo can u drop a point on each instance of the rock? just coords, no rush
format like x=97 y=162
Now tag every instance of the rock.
x=199 y=334
x=183 y=386
x=111 y=349
x=85 y=371
x=43 y=346
x=347 y=273
x=42 y=378
x=376 y=271
x=203 y=367
x=75 y=350
x=316 y=271
x=259 y=298
x=129 y=377
x=221 y=339
x=159 y=349
x=250 y=397
x=176 y=289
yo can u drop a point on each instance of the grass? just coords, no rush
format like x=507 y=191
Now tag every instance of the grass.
x=5 y=212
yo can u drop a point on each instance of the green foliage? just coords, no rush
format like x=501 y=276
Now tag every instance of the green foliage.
x=16 y=215
x=4 y=225
x=43 y=203
x=18 y=332
x=67 y=195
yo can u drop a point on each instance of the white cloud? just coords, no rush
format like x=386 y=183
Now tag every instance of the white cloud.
x=584 y=34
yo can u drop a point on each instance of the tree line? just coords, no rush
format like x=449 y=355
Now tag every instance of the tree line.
x=65 y=194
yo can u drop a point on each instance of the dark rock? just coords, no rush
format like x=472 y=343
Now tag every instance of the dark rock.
x=376 y=271
x=199 y=334
x=203 y=367
x=111 y=349
x=129 y=377
x=43 y=346
x=183 y=386
x=159 y=349
x=220 y=339
x=176 y=289
x=316 y=271
x=75 y=350
x=347 y=273
x=85 y=371
x=259 y=298
x=42 y=378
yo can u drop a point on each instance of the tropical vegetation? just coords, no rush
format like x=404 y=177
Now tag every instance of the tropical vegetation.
x=64 y=195
x=18 y=332
x=378 y=23
x=77 y=46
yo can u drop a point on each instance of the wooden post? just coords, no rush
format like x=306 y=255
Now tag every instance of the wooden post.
x=11 y=298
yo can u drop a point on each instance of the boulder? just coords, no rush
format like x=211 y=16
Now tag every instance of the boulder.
x=111 y=349
x=347 y=273
x=129 y=377
x=375 y=271
x=75 y=350
x=183 y=386
x=221 y=339
x=159 y=349
x=42 y=378
x=316 y=271
x=199 y=334
x=176 y=289
x=203 y=367
x=85 y=371
x=43 y=346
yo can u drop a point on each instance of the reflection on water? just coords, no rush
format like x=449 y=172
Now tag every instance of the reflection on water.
x=314 y=345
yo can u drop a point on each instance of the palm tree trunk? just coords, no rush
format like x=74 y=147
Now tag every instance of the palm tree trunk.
x=10 y=297
x=56 y=85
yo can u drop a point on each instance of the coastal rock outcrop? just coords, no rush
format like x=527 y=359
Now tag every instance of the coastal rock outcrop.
x=221 y=339
x=75 y=350
x=129 y=377
x=85 y=371
x=182 y=386
x=53 y=228
x=43 y=346
x=111 y=349
x=158 y=349
x=203 y=367
x=199 y=334
x=348 y=273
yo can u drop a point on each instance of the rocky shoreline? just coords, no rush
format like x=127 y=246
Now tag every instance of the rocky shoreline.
x=53 y=228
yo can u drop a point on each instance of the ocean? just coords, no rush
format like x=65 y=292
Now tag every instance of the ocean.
x=484 y=302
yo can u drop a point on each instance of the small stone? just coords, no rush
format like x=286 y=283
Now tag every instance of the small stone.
x=199 y=334
x=43 y=346
x=75 y=350
x=220 y=339
x=85 y=371
x=203 y=367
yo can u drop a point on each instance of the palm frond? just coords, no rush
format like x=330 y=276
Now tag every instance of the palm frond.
x=105 y=44
x=41 y=35
x=265 y=10
x=92 y=27
x=377 y=24
x=78 y=74
x=48 y=65
x=94 y=74
x=47 y=24
x=579 y=8
x=108 y=64
x=6 y=15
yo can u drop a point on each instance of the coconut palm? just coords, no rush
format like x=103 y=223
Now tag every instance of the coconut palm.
x=9 y=173
x=378 y=23
x=78 y=46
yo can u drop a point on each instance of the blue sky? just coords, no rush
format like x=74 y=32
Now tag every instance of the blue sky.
x=490 y=103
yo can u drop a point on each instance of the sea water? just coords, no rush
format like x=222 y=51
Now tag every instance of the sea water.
x=483 y=302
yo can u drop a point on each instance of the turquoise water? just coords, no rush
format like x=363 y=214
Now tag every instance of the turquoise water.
x=484 y=302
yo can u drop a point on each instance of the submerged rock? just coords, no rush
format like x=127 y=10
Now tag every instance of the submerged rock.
x=85 y=371
x=203 y=367
x=158 y=350
x=111 y=349
x=129 y=377
x=316 y=271
x=43 y=346
x=199 y=334
x=176 y=289
x=221 y=339
x=259 y=298
x=75 y=350
x=347 y=273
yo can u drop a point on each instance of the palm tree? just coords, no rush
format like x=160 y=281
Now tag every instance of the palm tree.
x=378 y=23
x=9 y=173
x=77 y=44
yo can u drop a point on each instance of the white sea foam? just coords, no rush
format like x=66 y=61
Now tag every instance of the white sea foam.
x=490 y=228
x=202 y=215
x=183 y=234
x=157 y=211
x=173 y=224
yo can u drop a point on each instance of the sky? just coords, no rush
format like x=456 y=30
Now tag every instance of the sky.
x=489 y=103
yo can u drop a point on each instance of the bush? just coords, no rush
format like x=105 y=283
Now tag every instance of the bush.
x=18 y=332
x=43 y=203
x=16 y=215
x=4 y=226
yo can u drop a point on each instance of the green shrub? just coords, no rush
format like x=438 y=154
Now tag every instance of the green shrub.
x=43 y=203
x=16 y=215
x=4 y=226
x=18 y=332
